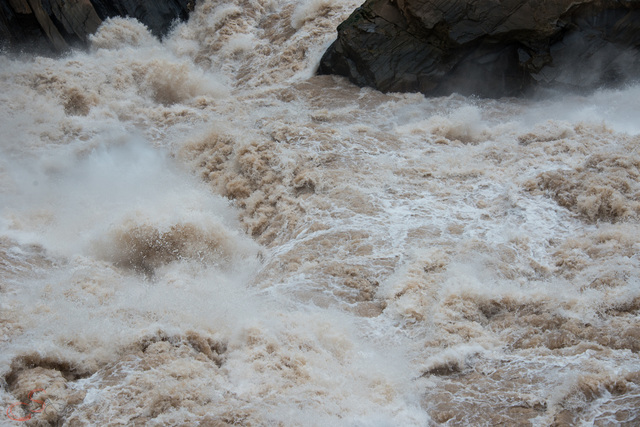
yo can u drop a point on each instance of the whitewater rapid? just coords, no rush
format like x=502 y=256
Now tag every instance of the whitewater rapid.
x=199 y=231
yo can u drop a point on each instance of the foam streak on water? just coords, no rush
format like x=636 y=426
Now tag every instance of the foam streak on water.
x=199 y=230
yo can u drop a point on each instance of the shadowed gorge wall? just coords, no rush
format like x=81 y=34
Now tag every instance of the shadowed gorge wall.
x=487 y=48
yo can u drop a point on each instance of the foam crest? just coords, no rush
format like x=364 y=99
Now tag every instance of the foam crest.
x=128 y=204
x=463 y=124
x=308 y=10
x=119 y=33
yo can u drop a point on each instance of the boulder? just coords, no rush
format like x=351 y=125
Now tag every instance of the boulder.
x=63 y=23
x=488 y=48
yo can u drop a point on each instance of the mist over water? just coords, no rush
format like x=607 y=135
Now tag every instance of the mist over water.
x=198 y=230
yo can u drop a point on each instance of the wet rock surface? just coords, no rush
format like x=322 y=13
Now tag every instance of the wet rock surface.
x=487 y=48
x=57 y=24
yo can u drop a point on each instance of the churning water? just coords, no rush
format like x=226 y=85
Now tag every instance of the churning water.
x=199 y=231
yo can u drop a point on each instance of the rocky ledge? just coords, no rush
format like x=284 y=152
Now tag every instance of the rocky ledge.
x=58 y=24
x=486 y=47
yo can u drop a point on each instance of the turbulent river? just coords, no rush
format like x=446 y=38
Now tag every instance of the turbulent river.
x=199 y=231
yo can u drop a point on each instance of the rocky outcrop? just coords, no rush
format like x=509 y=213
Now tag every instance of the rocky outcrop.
x=58 y=24
x=487 y=47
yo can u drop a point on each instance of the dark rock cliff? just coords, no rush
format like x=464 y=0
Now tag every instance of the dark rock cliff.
x=58 y=24
x=487 y=47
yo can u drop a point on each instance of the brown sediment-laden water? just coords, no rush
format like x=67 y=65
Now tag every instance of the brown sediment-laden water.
x=199 y=231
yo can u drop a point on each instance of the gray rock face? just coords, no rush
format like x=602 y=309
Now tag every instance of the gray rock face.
x=61 y=23
x=487 y=47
